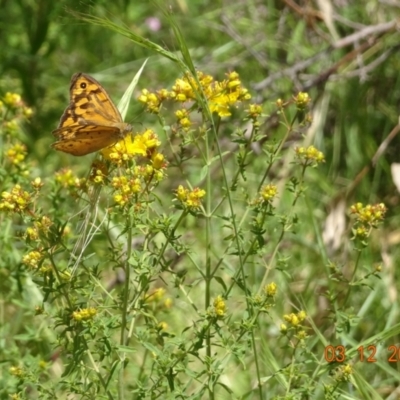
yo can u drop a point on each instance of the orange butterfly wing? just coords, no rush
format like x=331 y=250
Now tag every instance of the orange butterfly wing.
x=91 y=121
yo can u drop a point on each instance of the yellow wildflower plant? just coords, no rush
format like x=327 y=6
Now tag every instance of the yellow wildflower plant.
x=295 y=319
x=153 y=101
x=12 y=100
x=271 y=289
x=309 y=156
x=142 y=144
x=32 y=259
x=218 y=309
x=84 y=314
x=371 y=214
x=220 y=95
x=268 y=192
x=302 y=100
x=66 y=178
x=125 y=189
x=190 y=199
x=155 y=296
x=17 y=200
x=16 y=154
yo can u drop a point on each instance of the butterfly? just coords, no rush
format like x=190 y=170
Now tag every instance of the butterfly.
x=91 y=122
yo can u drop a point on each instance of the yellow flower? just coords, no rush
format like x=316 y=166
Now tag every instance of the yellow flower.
x=155 y=296
x=16 y=201
x=183 y=118
x=193 y=198
x=163 y=326
x=31 y=233
x=309 y=155
x=271 y=289
x=17 y=153
x=152 y=101
x=142 y=145
x=254 y=111
x=27 y=112
x=268 y=192
x=220 y=95
x=16 y=371
x=37 y=183
x=168 y=303
x=12 y=99
x=301 y=315
x=302 y=334
x=218 y=309
x=302 y=99
x=32 y=259
x=224 y=94
x=84 y=314
x=67 y=179
x=295 y=319
x=181 y=193
x=182 y=90
x=343 y=373
x=220 y=306
x=125 y=189
x=190 y=199
x=158 y=160
x=370 y=214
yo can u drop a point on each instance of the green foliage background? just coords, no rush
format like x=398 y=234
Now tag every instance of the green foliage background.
x=279 y=48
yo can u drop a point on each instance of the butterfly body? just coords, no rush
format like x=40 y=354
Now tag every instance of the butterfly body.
x=91 y=122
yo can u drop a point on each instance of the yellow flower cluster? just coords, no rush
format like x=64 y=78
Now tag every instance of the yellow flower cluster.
x=37 y=183
x=219 y=306
x=371 y=214
x=155 y=296
x=367 y=217
x=183 y=118
x=162 y=326
x=16 y=201
x=32 y=259
x=254 y=111
x=84 y=314
x=309 y=155
x=41 y=226
x=16 y=371
x=98 y=172
x=266 y=196
x=143 y=144
x=125 y=188
x=266 y=299
x=218 y=309
x=220 y=95
x=343 y=373
x=67 y=179
x=271 y=289
x=97 y=176
x=153 y=101
x=302 y=100
x=295 y=319
x=190 y=199
x=16 y=154
x=268 y=192
x=14 y=101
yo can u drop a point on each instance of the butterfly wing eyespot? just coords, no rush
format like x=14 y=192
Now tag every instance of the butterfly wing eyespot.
x=91 y=122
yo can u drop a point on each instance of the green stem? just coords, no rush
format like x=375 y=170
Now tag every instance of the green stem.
x=125 y=307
